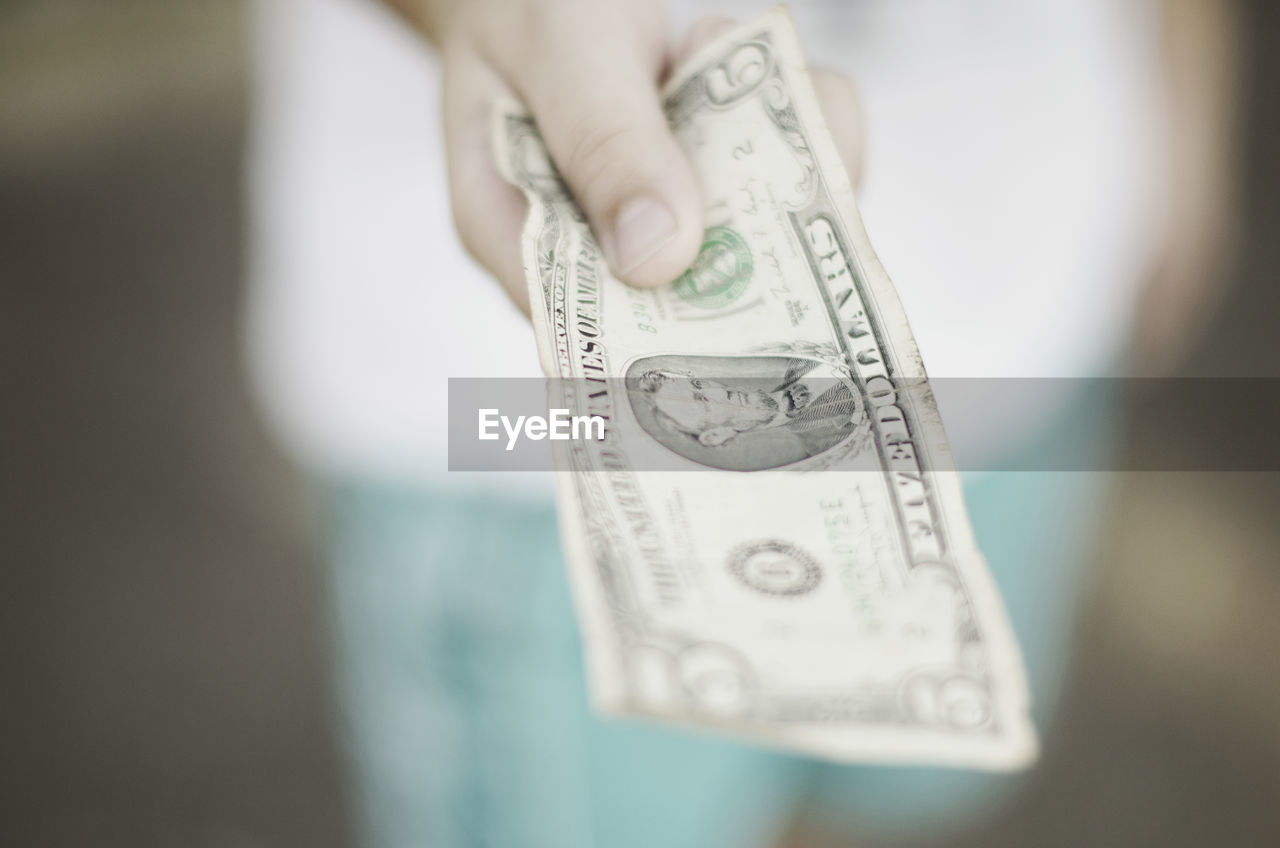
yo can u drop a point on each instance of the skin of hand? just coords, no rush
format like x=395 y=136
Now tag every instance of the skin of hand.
x=590 y=73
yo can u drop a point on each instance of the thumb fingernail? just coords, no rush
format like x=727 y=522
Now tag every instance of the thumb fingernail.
x=642 y=227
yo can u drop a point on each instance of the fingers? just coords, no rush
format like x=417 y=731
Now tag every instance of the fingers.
x=843 y=113
x=597 y=107
x=702 y=32
x=596 y=102
x=488 y=211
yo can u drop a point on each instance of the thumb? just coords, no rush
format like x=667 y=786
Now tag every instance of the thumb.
x=597 y=107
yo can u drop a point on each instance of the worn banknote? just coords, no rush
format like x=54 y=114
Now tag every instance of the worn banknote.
x=769 y=540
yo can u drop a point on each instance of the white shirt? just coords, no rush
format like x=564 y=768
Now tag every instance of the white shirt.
x=1010 y=148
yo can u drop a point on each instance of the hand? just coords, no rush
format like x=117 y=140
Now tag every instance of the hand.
x=589 y=71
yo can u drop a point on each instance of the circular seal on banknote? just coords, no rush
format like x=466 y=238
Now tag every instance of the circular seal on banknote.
x=775 y=567
x=721 y=272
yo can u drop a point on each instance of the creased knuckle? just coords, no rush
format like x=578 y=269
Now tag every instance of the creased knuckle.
x=600 y=156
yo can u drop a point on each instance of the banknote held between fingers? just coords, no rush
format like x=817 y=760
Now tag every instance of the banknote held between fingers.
x=589 y=71
x=592 y=87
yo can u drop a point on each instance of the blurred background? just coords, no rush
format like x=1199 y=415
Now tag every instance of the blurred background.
x=164 y=678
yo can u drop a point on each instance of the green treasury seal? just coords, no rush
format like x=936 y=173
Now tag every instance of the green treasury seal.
x=721 y=272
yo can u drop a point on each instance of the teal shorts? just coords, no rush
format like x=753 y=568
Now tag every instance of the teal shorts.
x=465 y=715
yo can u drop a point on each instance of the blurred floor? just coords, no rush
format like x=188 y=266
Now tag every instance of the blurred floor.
x=163 y=678
x=160 y=613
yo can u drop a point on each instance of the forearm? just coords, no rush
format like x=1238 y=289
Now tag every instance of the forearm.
x=429 y=17
x=1201 y=49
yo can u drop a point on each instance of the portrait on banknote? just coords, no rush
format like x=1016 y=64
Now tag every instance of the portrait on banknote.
x=743 y=413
